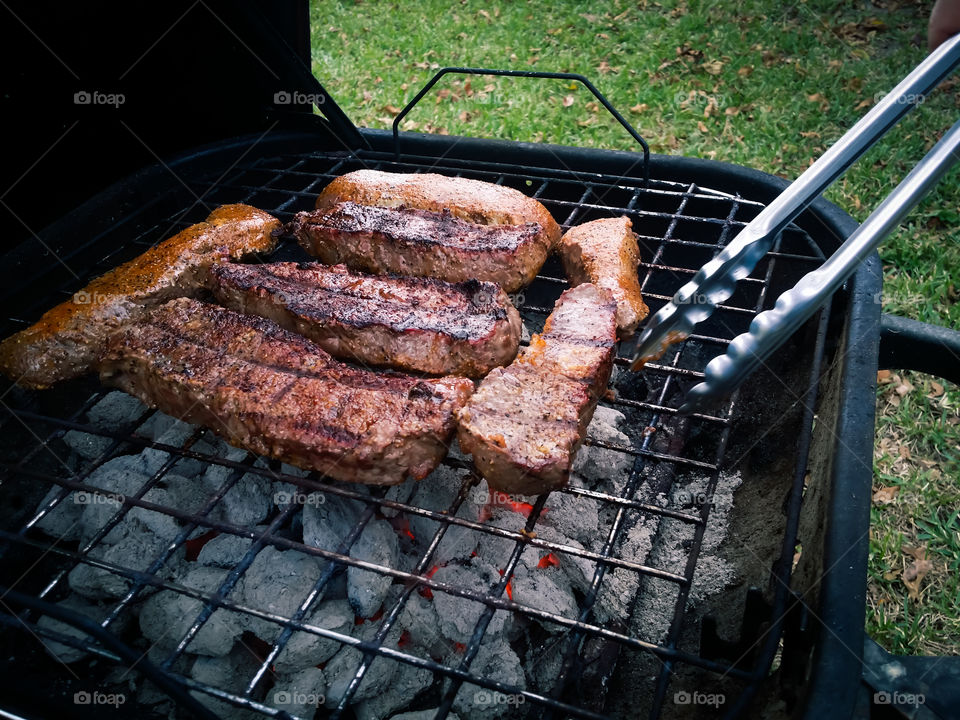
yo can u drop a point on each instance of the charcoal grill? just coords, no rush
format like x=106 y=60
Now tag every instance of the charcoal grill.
x=787 y=636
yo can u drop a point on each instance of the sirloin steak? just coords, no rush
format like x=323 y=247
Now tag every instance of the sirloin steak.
x=278 y=394
x=419 y=324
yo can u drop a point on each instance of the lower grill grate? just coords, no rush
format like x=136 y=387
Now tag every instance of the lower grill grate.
x=679 y=226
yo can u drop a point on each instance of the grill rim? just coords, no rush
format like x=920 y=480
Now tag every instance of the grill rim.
x=133 y=190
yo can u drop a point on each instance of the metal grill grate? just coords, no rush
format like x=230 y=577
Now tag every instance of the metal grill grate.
x=679 y=227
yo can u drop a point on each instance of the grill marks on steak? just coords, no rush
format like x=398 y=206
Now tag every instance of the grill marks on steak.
x=423 y=243
x=418 y=324
x=66 y=341
x=525 y=422
x=278 y=394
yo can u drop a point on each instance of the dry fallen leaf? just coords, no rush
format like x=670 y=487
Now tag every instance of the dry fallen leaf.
x=711 y=107
x=745 y=71
x=914 y=573
x=936 y=389
x=392 y=109
x=568 y=100
x=885 y=495
x=714 y=67
x=883 y=376
x=904 y=387
x=918 y=552
x=701 y=127
x=639 y=108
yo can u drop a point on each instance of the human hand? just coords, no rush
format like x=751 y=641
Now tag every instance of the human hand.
x=944 y=22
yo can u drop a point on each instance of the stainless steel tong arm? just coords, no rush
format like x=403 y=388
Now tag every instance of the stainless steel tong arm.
x=772 y=328
x=716 y=280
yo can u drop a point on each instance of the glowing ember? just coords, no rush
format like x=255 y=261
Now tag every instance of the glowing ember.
x=520 y=507
x=425 y=591
x=195 y=545
x=548 y=560
x=404 y=639
x=402 y=524
x=357 y=620
x=459 y=647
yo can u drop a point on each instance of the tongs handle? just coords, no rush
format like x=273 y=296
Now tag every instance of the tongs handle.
x=794 y=307
x=716 y=280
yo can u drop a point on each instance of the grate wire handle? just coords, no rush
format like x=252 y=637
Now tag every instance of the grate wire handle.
x=525 y=74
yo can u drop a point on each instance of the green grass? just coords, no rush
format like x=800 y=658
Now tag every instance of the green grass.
x=760 y=84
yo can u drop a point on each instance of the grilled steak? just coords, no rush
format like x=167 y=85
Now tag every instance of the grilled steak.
x=278 y=394
x=66 y=341
x=423 y=243
x=418 y=324
x=526 y=421
x=475 y=201
x=605 y=252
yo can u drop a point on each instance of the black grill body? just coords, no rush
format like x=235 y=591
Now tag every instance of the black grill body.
x=681 y=220
x=801 y=433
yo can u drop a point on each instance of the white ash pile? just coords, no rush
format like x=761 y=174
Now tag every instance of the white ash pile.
x=314 y=667
x=655 y=604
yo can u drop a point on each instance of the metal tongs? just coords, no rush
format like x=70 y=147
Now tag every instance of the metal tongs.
x=716 y=281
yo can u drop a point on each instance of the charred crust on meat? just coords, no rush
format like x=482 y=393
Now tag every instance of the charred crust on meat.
x=68 y=339
x=275 y=393
x=421 y=391
x=422 y=324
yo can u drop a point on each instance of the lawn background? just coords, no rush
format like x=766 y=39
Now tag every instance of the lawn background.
x=760 y=84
